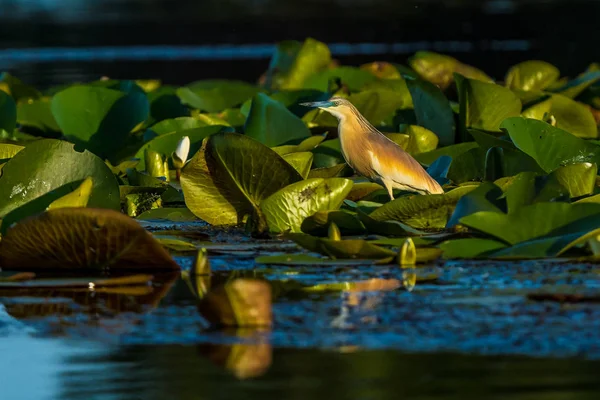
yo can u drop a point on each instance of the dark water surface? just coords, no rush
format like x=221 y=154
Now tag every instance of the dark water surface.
x=463 y=331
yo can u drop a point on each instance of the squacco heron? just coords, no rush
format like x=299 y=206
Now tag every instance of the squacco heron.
x=373 y=155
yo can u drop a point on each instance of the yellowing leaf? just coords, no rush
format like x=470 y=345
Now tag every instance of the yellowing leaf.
x=81 y=238
x=78 y=198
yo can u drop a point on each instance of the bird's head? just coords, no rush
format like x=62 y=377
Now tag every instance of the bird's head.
x=337 y=106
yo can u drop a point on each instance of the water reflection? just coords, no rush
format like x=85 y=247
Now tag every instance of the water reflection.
x=192 y=372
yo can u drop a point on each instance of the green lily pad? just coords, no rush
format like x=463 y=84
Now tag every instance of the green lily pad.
x=230 y=176
x=37 y=114
x=540 y=110
x=307 y=144
x=469 y=248
x=176 y=125
x=452 y=151
x=175 y=214
x=48 y=164
x=576 y=86
x=272 y=124
x=318 y=223
x=8 y=112
x=301 y=161
x=354 y=78
x=329 y=172
x=422 y=212
x=485 y=105
x=309 y=59
x=97 y=118
x=342 y=249
x=167 y=143
x=573 y=117
x=328 y=154
x=286 y=209
x=165 y=104
x=528 y=188
x=531 y=75
x=535 y=221
x=578 y=179
x=17 y=88
x=551 y=147
x=216 y=95
x=439 y=69
x=486 y=197
x=432 y=110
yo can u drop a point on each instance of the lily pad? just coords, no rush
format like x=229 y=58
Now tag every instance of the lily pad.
x=531 y=75
x=469 y=248
x=486 y=197
x=230 y=176
x=422 y=212
x=301 y=161
x=216 y=95
x=286 y=209
x=272 y=124
x=318 y=223
x=432 y=110
x=573 y=117
x=81 y=238
x=310 y=58
x=176 y=125
x=354 y=78
x=551 y=147
x=37 y=114
x=32 y=172
x=578 y=179
x=439 y=69
x=97 y=118
x=534 y=221
x=8 y=112
x=485 y=105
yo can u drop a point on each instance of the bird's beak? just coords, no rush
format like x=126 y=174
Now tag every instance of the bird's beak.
x=320 y=104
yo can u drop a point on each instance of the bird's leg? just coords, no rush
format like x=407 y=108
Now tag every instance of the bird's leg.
x=389 y=188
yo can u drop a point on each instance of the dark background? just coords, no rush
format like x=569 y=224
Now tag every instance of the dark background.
x=46 y=42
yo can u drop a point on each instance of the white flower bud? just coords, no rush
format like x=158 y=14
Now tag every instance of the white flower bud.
x=181 y=152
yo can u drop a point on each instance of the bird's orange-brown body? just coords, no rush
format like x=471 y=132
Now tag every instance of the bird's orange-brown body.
x=371 y=154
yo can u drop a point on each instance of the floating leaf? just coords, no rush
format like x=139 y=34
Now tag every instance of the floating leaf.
x=216 y=95
x=354 y=78
x=573 y=88
x=241 y=302
x=329 y=172
x=439 y=69
x=578 y=179
x=8 y=112
x=37 y=114
x=301 y=162
x=469 y=248
x=531 y=75
x=420 y=140
x=362 y=189
x=318 y=223
x=535 y=220
x=432 y=110
x=311 y=57
x=573 y=117
x=551 y=147
x=81 y=238
x=77 y=198
x=97 y=118
x=176 y=125
x=422 y=212
x=272 y=124
x=485 y=105
x=230 y=176
x=48 y=164
x=381 y=70
x=485 y=197
x=287 y=208
x=377 y=106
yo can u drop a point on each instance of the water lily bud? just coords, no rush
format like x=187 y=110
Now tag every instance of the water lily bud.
x=180 y=154
x=334 y=232
x=201 y=264
x=408 y=253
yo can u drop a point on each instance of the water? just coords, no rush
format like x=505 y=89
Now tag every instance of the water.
x=463 y=331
